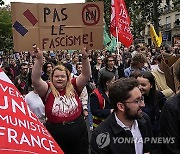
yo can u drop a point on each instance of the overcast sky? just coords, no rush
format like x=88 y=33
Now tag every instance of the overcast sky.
x=46 y=1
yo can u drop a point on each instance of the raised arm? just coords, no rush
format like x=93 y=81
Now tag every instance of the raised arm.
x=83 y=78
x=40 y=86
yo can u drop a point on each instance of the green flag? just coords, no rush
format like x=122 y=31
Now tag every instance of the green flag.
x=107 y=40
x=71 y=51
x=106 y=36
x=112 y=46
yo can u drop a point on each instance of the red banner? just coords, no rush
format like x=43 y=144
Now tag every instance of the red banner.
x=120 y=22
x=20 y=129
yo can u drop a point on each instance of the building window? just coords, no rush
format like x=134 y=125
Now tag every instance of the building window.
x=177 y=20
x=168 y=20
x=177 y=16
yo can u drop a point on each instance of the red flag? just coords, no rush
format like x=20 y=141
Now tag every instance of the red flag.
x=120 y=21
x=20 y=129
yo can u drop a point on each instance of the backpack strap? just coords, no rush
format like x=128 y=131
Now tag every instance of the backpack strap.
x=100 y=98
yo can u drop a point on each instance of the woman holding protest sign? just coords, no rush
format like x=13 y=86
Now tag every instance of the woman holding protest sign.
x=62 y=105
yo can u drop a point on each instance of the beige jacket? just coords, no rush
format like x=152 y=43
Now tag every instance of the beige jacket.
x=161 y=84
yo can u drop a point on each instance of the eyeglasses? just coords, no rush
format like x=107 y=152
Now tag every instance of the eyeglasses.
x=137 y=101
x=111 y=60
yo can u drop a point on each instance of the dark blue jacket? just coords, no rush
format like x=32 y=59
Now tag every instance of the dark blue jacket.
x=95 y=107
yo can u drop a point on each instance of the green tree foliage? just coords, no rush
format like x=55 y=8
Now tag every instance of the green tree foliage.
x=140 y=12
x=5 y=29
x=1 y=2
x=177 y=4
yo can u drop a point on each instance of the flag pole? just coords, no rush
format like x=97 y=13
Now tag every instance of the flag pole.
x=117 y=40
x=120 y=24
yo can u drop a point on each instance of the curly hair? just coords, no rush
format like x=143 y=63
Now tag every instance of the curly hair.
x=69 y=89
x=138 y=58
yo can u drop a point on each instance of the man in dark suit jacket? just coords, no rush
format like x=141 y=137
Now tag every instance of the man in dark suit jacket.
x=170 y=121
x=126 y=130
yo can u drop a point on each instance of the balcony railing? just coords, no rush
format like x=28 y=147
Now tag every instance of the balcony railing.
x=177 y=6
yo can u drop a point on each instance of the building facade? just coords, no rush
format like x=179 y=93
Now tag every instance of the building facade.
x=169 y=24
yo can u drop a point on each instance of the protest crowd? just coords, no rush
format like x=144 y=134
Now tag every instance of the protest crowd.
x=120 y=94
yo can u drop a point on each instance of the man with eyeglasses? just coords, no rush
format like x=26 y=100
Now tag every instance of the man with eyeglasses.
x=126 y=130
x=110 y=66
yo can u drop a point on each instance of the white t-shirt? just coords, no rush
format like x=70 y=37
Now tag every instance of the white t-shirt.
x=36 y=105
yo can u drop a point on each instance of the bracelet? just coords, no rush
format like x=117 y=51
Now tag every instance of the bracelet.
x=85 y=57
